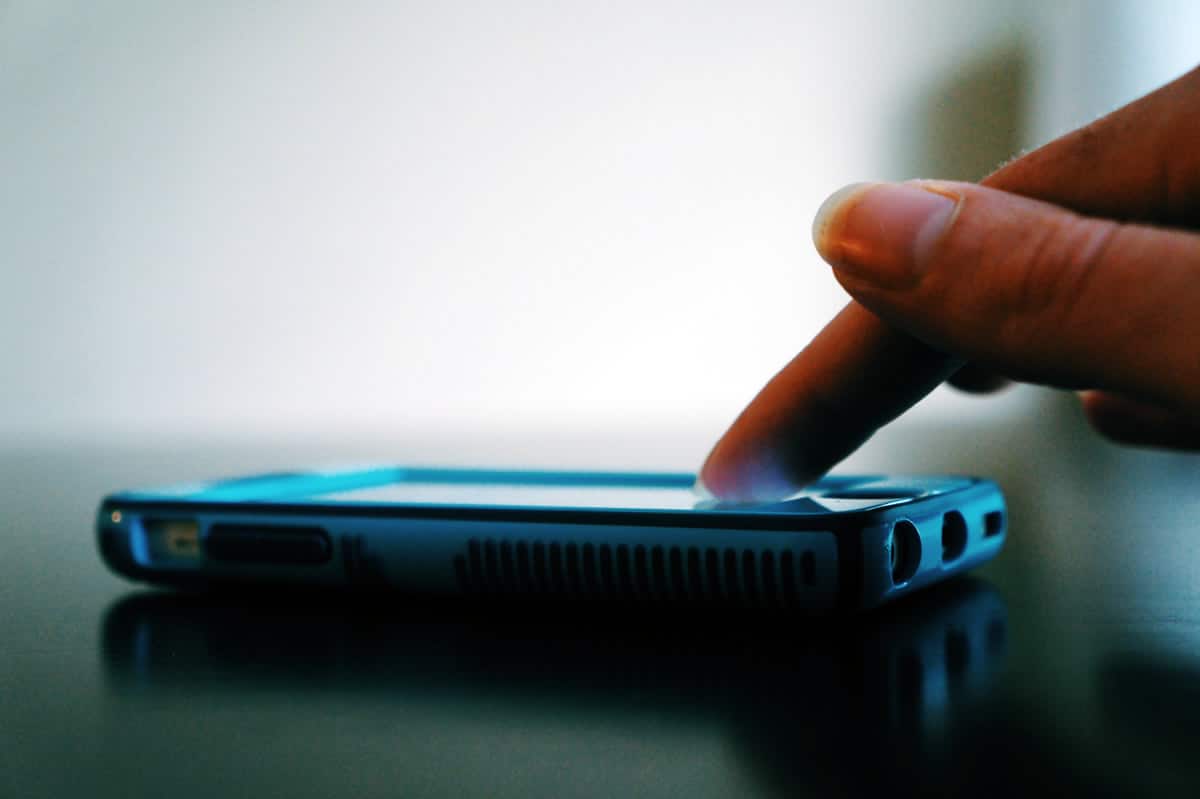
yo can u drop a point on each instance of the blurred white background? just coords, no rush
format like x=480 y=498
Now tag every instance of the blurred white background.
x=371 y=219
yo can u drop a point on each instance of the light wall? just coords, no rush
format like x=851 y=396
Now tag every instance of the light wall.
x=287 y=217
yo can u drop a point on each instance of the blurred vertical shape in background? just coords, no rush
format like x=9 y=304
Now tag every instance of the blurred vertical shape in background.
x=381 y=218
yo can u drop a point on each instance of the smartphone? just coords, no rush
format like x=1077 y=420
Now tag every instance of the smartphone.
x=843 y=543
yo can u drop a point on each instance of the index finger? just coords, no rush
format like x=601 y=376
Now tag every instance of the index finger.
x=859 y=373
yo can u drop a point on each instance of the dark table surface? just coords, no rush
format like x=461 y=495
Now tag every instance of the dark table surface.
x=1073 y=662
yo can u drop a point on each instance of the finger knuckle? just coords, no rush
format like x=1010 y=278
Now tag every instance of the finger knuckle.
x=1026 y=278
x=1050 y=276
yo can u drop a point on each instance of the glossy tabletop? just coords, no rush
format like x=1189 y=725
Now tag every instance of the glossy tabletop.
x=1072 y=662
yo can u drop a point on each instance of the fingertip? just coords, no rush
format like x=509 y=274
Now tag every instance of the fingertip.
x=1103 y=416
x=825 y=218
x=737 y=472
x=1117 y=419
x=974 y=379
x=1134 y=423
x=701 y=490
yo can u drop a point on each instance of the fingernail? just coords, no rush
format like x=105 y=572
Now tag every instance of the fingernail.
x=882 y=233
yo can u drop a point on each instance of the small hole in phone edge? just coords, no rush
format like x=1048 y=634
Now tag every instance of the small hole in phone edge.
x=954 y=536
x=905 y=551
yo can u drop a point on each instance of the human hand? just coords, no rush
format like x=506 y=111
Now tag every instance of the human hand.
x=1075 y=266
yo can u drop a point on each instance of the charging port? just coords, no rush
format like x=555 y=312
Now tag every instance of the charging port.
x=268 y=544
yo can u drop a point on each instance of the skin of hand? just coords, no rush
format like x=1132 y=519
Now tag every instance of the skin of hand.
x=1074 y=266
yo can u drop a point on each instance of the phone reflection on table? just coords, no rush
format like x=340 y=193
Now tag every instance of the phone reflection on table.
x=800 y=701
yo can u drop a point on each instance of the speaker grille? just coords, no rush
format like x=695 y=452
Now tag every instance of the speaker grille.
x=755 y=577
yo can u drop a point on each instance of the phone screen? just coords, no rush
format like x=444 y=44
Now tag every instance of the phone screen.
x=813 y=500
x=516 y=489
x=522 y=495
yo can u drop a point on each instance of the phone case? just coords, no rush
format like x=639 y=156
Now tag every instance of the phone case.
x=844 y=543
